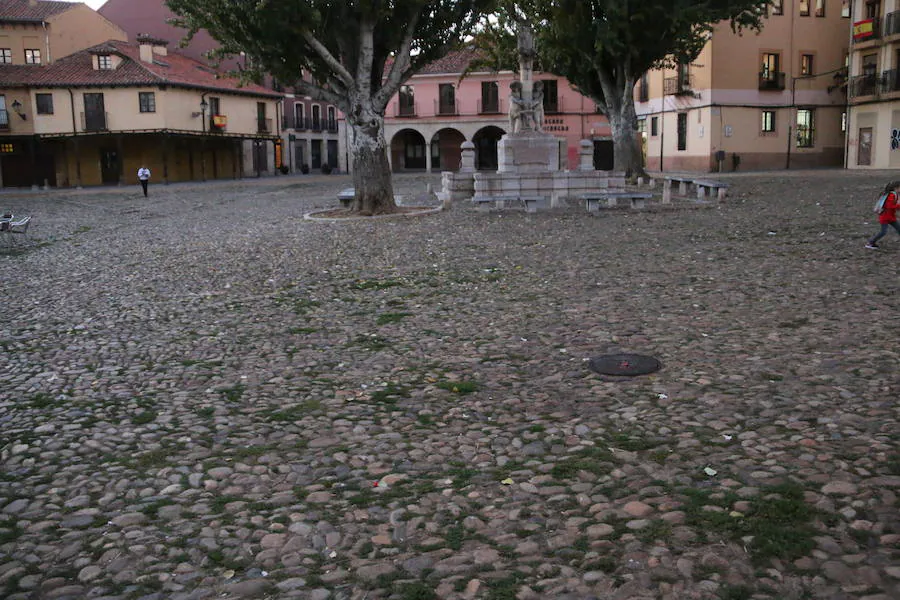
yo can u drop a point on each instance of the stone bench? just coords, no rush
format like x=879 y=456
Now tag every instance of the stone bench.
x=531 y=203
x=592 y=201
x=683 y=184
x=347 y=196
x=704 y=185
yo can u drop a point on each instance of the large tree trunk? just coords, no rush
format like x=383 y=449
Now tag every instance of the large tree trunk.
x=628 y=154
x=371 y=170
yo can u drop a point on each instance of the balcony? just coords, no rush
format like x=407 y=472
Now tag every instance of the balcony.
x=405 y=109
x=678 y=86
x=4 y=120
x=331 y=125
x=864 y=85
x=489 y=107
x=643 y=93
x=867 y=30
x=892 y=23
x=445 y=108
x=890 y=81
x=264 y=125
x=217 y=123
x=95 y=121
x=771 y=81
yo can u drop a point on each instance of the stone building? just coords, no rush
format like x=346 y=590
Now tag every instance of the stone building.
x=874 y=87
x=771 y=100
x=95 y=116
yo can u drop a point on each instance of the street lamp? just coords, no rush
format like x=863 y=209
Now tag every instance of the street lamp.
x=203 y=106
x=17 y=107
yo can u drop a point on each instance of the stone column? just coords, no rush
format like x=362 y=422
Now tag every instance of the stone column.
x=586 y=155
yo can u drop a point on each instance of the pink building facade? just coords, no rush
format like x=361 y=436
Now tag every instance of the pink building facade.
x=435 y=112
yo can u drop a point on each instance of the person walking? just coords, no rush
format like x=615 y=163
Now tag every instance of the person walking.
x=144 y=177
x=888 y=216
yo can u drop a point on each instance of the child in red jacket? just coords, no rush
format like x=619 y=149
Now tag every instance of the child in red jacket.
x=888 y=216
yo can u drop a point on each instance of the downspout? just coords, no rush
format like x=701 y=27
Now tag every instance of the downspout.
x=662 y=122
x=47 y=41
x=847 y=92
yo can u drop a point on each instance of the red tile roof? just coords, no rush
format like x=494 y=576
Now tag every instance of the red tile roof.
x=23 y=11
x=454 y=62
x=77 y=70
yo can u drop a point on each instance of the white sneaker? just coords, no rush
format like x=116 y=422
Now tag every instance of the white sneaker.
x=871 y=246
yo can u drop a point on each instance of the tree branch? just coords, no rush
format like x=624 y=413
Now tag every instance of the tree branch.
x=335 y=65
x=400 y=70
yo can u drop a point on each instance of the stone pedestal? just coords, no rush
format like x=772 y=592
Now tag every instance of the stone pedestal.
x=528 y=152
x=586 y=155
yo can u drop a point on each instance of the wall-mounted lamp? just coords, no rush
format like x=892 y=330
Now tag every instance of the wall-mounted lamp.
x=203 y=106
x=17 y=107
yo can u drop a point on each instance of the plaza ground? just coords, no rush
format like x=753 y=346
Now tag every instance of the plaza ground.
x=204 y=395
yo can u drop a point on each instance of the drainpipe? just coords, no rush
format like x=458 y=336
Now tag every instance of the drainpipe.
x=662 y=122
x=47 y=41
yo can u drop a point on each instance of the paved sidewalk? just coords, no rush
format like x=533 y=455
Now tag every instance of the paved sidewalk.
x=203 y=395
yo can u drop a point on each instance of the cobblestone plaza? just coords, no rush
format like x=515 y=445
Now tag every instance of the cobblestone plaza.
x=204 y=395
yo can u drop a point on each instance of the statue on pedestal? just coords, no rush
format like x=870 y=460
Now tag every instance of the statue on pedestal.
x=526 y=99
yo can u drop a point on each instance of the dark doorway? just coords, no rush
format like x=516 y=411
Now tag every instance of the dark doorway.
x=603 y=155
x=864 y=155
x=316 y=154
x=333 y=154
x=109 y=165
x=485 y=141
x=260 y=157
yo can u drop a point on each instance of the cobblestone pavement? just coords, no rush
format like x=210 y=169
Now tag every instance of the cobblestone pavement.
x=203 y=395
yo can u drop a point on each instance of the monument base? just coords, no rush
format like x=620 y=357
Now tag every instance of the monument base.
x=530 y=152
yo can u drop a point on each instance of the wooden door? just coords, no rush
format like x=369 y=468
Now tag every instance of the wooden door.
x=864 y=155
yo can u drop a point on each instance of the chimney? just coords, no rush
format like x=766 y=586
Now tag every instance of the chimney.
x=150 y=46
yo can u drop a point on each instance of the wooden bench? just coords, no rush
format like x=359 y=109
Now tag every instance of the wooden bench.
x=704 y=185
x=347 y=196
x=592 y=200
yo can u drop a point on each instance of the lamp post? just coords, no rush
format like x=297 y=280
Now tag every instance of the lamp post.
x=203 y=106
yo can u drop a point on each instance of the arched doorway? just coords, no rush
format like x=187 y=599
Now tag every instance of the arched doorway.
x=408 y=151
x=485 y=141
x=445 y=150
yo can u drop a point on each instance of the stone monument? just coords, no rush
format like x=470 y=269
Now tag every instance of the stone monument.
x=531 y=163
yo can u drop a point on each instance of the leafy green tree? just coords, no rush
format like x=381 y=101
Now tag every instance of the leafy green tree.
x=357 y=53
x=604 y=46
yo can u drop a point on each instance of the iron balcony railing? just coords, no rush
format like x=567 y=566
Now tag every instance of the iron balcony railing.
x=890 y=81
x=404 y=109
x=4 y=120
x=864 y=32
x=864 y=85
x=771 y=81
x=264 y=125
x=643 y=92
x=94 y=121
x=892 y=23
x=489 y=107
x=310 y=124
x=676 y=86
x=445 y=108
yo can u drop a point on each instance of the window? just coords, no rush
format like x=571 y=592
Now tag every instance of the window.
x=32 y=56
x=299 y=115
x=104 y=62
x=407 y=103
x=654 y=126
x=490 y=97
x=551 y=96
x=768 y=121
x=682 y=131
x=316 y=117
x=5 y=56
x=332 y=121
x=147 y=102
x=44 y=104
x=804 y=8
x=7 y=148
x=777 y=7
x=845 y=9
x=873 y=9
x=4 y=116
x=806 y=65
x=805 y=127
x=644 y=88
x=820 y=8
x=446 y=99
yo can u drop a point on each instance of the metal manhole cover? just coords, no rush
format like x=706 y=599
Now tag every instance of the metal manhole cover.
x=627 y=365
